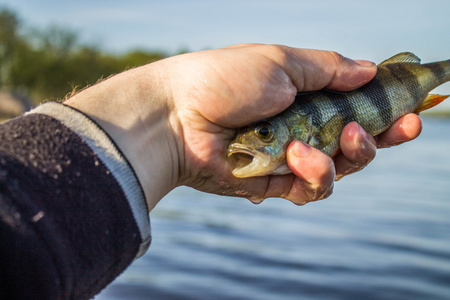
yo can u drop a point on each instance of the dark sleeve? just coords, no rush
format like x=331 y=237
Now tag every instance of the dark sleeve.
x=72 y=212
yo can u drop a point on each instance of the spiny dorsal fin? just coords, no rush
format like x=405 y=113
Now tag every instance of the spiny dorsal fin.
x=404 y=57
x=430 y=101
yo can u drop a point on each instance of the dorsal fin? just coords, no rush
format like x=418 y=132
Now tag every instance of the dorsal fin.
x=404 y=57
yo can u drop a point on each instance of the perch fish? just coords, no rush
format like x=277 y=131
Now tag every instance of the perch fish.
x=401 y=86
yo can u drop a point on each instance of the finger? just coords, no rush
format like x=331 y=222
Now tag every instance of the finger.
x=352 y=74
x=358 y=149
x=315 y=173
x=312 y=70
x=405 y=129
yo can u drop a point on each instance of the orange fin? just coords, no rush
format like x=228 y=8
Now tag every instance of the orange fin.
x=430 y=101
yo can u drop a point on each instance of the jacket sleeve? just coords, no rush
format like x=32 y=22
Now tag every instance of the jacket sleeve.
x=72 y=212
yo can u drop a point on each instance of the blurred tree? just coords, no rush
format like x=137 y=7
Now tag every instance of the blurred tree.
x=57 y=41
x=39 y=64
x=50 y=63
x=9 y=25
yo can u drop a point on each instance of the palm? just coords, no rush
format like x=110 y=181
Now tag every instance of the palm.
x=214 y=109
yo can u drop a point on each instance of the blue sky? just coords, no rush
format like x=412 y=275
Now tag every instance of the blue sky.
x=360 y=29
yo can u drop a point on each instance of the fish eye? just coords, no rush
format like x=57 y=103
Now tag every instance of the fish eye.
x=265 y=132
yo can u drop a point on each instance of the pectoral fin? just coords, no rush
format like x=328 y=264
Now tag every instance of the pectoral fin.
x=330 y=132
x=430 y=101
x=300 y=127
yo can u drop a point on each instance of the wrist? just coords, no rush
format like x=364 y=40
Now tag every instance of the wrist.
x=134 y=109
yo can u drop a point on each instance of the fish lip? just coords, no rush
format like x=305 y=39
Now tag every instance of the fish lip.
x=238 y=165
x=253 y=165
x=239 y=148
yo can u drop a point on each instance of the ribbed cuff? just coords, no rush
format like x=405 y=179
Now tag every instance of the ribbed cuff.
x=111 y=156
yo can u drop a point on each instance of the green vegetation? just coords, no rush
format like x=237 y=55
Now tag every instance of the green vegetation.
x=51 y=63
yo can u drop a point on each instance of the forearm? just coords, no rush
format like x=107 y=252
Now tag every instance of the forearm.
x=134 y=109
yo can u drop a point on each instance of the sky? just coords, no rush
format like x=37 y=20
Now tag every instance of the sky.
x=360 y=29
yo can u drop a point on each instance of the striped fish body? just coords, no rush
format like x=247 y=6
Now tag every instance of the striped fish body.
x=401 y=86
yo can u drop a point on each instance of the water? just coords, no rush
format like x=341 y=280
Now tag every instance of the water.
x=383 y=234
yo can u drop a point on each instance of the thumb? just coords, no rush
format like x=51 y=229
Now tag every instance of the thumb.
x=312 y=70
x=351 y=74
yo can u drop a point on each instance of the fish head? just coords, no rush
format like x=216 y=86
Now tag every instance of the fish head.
x=259 y=149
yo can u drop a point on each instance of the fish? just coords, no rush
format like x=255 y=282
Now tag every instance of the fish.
x=401 y=86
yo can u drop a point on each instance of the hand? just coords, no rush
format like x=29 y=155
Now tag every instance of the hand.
x=228 y=88
x=174 y=119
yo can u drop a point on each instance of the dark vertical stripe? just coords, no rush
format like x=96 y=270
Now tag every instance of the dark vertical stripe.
x=341 y=102
x=437 y=69
x=407 y=79
x=379 y=97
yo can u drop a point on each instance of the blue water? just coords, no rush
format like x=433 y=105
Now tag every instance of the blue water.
x=383 y=234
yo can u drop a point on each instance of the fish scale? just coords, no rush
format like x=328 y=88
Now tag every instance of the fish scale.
x=401 y=86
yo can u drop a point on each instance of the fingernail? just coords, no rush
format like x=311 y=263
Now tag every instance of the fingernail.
x=300 y=149
x=366 y=139
x=363 y=134
x=368 y=147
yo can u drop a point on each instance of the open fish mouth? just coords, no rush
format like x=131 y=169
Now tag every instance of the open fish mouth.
x=246 y=162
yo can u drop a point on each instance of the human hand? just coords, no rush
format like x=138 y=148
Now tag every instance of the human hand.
x=173 y=119
x=224 y=89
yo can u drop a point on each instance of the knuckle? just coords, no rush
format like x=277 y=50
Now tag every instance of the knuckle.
x=320 y=192
x=336 y=57
x=277 y=52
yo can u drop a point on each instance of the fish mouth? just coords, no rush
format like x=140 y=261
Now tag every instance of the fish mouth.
x=246 y=162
